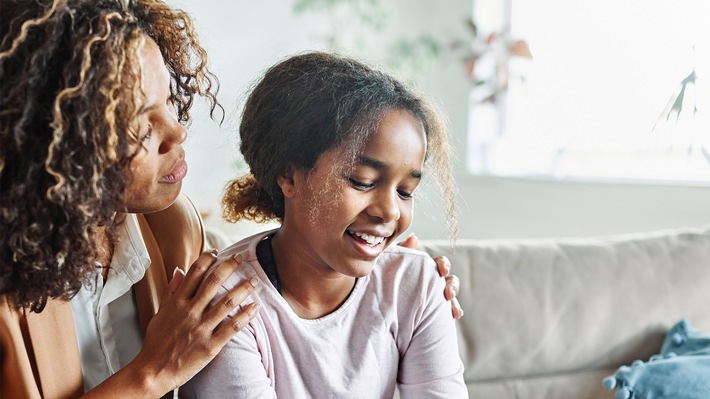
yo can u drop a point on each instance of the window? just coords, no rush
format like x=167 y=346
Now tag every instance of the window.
x=615 y=90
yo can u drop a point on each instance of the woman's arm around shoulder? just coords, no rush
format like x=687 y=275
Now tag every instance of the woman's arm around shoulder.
x=184 y=335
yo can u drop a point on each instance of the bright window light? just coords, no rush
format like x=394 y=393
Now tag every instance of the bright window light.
x=601 y=96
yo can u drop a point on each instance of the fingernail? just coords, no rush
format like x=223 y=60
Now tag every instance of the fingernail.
x=175 y=270
x=254 y=310
x=253 y=283
x=238 y=257
x=214 y=252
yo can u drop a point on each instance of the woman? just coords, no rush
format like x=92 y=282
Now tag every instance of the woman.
x=94 y=97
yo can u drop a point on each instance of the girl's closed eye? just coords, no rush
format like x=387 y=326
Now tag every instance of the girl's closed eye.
x=406 y=195
x=360 y=185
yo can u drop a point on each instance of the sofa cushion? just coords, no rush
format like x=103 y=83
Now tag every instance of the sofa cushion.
x=547 y=307
x=582 y=384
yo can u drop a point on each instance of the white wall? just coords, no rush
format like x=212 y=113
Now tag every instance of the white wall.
x=243 y=38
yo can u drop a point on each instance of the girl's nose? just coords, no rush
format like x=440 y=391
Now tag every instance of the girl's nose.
x=385 y=206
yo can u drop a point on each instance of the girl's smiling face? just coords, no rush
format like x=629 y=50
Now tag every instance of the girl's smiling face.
x=343 y=220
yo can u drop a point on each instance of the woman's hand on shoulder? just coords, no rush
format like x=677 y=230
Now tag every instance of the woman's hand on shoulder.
x=186 y=333
x=443 y=265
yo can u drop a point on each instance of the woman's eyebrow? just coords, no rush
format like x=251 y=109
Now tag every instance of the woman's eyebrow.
x=154 y=105
x=148 y=109
x=380 y=165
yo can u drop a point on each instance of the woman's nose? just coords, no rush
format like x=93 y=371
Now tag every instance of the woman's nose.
x=176 y=135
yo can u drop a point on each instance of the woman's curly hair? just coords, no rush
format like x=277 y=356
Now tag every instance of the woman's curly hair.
x=70 y=94
x=311 y=103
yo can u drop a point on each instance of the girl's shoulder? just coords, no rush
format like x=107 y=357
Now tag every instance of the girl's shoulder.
x=407 y=267
x=247 y=249
x=397 y=256
x=409 y=282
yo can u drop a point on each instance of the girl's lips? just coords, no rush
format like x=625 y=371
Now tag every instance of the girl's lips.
x=178 y=173
x=365 y=249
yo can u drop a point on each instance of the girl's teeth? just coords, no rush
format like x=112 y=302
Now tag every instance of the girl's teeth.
x=372 y=240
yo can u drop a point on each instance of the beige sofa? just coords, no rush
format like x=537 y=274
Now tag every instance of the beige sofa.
x=550 y=318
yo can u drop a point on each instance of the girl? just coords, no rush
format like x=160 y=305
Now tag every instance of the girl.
x=336 y=151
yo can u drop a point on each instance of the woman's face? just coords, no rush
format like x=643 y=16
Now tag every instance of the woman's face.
x=154 y=176
x=344 y=219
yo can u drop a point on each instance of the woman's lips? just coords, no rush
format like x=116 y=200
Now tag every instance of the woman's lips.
x=177 y=174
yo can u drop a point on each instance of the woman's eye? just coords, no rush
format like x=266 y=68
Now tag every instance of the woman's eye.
x=360 y=185
x=147 y=135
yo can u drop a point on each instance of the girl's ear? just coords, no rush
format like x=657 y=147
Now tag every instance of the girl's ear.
x=286 y=182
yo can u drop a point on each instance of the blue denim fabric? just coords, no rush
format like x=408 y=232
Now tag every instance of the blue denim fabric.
x=680 y=371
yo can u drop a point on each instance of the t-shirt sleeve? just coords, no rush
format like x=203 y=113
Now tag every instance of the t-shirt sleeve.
x=430 y=366
x=238 y=371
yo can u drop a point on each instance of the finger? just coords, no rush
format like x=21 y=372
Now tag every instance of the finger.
x=215 y=279
x=443 y=265
x=410 y=242
x=232 y=326
x=178 y=277
x=456 y=309
x=196 y=273
x=453 y=285
x=231 y=300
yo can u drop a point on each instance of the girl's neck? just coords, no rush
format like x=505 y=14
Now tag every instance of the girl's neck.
x=310 y=287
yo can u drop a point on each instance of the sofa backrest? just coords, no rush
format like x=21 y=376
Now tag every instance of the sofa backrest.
x=544 y=308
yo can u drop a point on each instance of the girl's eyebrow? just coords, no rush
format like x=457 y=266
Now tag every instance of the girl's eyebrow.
x=380 y=165
x=371 y=162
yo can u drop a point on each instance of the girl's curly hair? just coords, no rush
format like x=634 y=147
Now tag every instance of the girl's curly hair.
x=70 y=94
x=313 y=102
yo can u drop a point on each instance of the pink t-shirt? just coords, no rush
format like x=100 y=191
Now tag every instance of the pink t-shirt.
x=395 y=329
